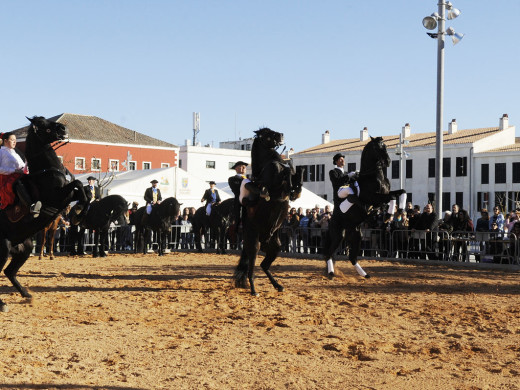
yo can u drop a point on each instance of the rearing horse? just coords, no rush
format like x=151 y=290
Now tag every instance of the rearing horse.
x=278 y=183
x=374 y=192
x=47 y=179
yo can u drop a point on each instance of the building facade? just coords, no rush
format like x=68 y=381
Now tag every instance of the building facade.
x=208 y=163
x=481 y=167
x=96 y=145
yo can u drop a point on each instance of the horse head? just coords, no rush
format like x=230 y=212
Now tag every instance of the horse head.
x=170 y=207
x=374 y=155
x=269 y=138
x=47 y=131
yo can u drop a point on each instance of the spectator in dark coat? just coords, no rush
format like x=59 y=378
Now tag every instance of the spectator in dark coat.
x=428 y=221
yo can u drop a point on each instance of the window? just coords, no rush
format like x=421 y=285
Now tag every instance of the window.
x=459 y=199
x=431 y=167
x=516 y=172
x=113 y=165
x=312 y=172
x=482 y=200
x=500 y=173
x=462 y=166
x=321 y=172
x=500 y=199
x=351 y=167
x=395 y=169
x=484 y=174
x=210 y=164
x=446 y=202
x=95 y=164
x=79 y=163
x=165 y=165
x=409 y=197
x=409 y=168
x=513 y=200
x=431 y=198
x=147 y=165
x=132 y=165
x=446 y=167
x=180 y=163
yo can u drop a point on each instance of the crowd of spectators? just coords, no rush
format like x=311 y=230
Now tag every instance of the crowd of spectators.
x=413 y=232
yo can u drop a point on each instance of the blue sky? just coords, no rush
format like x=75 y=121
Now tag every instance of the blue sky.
x=299 y=67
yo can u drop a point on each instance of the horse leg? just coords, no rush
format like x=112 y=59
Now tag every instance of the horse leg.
x=51 y=247
x=354 y=241
x=42 y=249
x=96 y=243
x=103 y=241
x=4 y=255
x=19 y=255
x=241 y=270
x=222 y=240
x=253 y=252
x=160 y=250
x=271 y=252
x=335 y=237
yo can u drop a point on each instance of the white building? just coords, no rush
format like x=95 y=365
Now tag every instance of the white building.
x=241 y=144
x=209 y=163
x=481 y=166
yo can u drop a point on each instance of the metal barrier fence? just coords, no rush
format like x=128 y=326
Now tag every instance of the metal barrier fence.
x=486 y=247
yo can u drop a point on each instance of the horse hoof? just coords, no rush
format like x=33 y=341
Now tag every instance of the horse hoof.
x=367 y=276
x=280 y=289
x=330 y=275
x=94 y=255
x=103 y=255
x=4 y=308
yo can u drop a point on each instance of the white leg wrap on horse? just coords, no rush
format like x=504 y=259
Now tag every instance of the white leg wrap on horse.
x=391 y=206
x=360 y=270
x=402 y=201
x=330 y=266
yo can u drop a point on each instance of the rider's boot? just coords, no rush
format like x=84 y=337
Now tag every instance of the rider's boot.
x=25 y=199
x=354 y=200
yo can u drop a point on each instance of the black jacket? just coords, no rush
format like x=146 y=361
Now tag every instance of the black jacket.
x=148 y=195
x=338 y=178
x=97 y=193
x=207 y=196
x=235 y=182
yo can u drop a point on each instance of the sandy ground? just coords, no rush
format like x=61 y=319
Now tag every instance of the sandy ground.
x=177 y=322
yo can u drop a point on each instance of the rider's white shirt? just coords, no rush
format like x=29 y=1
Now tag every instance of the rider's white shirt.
x=10 y=161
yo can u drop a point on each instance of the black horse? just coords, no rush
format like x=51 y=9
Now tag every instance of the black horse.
x=218 y=222
x=278 y=183
x=46 y=182
x=159 y=221
x=374 y=193
x=98 y=218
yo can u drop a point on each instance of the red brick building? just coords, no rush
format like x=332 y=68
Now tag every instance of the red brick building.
x=97 y=145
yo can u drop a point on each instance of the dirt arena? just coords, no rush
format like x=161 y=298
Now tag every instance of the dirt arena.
x=177 y=322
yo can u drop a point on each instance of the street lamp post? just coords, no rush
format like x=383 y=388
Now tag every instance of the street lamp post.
x=430 y=22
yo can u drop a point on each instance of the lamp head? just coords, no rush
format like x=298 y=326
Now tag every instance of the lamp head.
x=455 y=37
x=430 y=22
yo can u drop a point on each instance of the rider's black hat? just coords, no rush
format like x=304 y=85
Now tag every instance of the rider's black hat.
x=212 y=182
x=91 y=178
x=239 y=163
x=154 y=181
x=336 y=157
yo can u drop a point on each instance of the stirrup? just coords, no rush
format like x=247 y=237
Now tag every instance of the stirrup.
x=35 y=209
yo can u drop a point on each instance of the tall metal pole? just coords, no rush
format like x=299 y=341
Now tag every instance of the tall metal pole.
x=440 y=92
x=401 y=167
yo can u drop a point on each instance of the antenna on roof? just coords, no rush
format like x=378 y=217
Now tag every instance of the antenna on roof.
x=196 y=127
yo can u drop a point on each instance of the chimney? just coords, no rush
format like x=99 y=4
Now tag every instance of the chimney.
x=504 y=122
x=452 y=126
x=325 y=137
x=406 y=131
x=363 y=134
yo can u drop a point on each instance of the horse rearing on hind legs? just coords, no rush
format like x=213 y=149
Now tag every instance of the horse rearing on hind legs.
x=374 y=193
x=278 y=183
x=48 y=183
